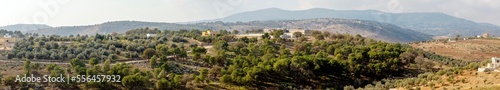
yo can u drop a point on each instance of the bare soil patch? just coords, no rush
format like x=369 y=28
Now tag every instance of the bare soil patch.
x=470 y=50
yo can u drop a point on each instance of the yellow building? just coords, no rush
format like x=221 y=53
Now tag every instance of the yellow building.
x=486 y=35
x=208 y=33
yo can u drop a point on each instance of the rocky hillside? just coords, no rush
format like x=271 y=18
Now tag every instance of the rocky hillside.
x=437 y=24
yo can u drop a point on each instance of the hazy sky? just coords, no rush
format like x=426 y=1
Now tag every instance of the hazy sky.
x=89 y=12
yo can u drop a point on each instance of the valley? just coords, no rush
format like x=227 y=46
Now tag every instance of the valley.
x=264 y=49
x=188 y=59
x=178 y=58
x=250 y=45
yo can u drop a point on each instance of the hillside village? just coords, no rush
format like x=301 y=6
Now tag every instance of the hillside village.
x=287 y=33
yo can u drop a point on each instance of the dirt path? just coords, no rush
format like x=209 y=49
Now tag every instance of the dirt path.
x=207 y=47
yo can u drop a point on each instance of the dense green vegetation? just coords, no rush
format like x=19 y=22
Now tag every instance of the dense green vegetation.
x=429 y=75
x=342 y=61
x=334 y=61
x=18 y=34
x=429 y=78
x=102 y=47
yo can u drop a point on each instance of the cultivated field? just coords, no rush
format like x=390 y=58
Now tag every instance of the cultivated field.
x=470 y=50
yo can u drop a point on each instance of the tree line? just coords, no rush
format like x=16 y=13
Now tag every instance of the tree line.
x=334 y=61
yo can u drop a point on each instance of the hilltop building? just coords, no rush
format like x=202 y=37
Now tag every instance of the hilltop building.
x=485 y=35
x=303 y=31
x=271 y=30
x=451 y=40
x=495 y=63
x=150 y=35
x=288 y=33
x=208 y=33
x=7 y=35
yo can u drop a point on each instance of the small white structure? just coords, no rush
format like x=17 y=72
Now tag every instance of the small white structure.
x=150 y=35
x=450 y=40
x=495 y=63
x=7 y=35
x=288 y=33
x=285 y=36
x=271 y=30
x=303 y=31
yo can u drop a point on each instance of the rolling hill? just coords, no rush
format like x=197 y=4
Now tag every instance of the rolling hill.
x=437 y=24
x=371 y=29
x=109 y=27
x=25 y=27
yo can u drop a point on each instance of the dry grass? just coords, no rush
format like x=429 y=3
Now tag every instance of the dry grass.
x=4 y=45
x=8 y=69
x=468 y=80
x=470 y=50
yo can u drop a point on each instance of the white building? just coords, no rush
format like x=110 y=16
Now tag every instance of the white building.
x=303 y=31
x=7 y=35
x=288 y=33
x=495 y=63
x=150 y=35
x=285 y=36
x=271 y=30
x=451 y=40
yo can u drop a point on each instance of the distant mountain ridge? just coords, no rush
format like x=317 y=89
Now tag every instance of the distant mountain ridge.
x=25 y=27
x=371 y=29
x=109 y=27
x=437 y=24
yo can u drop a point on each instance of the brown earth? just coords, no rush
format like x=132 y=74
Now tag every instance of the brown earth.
x=470 y=50
x=467 y=80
